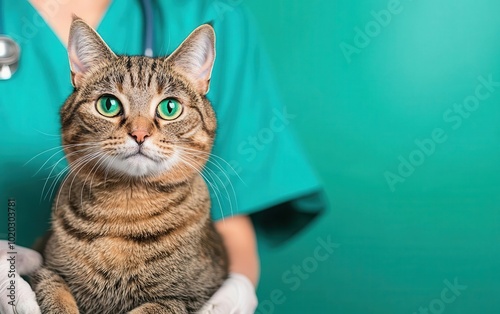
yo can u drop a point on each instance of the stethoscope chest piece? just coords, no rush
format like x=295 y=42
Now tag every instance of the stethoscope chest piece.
x=9 y=57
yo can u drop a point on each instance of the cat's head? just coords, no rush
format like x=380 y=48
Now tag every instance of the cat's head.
x=138 y=117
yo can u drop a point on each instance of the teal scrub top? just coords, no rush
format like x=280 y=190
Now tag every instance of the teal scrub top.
x=257 y=167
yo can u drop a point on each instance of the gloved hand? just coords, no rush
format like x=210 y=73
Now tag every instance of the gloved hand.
x=235 y=296
x=26 y=262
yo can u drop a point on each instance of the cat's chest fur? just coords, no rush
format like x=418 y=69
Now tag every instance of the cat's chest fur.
x=124 y=260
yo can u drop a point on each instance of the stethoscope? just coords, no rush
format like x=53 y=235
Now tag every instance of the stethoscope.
x=10 y=52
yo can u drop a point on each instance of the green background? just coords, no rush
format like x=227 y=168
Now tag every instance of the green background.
x=355 y=119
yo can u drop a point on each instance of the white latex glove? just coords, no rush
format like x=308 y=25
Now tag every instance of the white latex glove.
x=26 y=262
x=235 y=296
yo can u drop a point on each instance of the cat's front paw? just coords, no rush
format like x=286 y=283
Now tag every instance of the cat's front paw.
x=53 y=294
x=171 y=307
x=59 y=303
x=59 y=309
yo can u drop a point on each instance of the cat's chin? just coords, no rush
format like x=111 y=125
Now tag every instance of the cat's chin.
x=140 y=166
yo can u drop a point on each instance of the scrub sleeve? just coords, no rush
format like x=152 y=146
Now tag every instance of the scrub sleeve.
x=257 y=167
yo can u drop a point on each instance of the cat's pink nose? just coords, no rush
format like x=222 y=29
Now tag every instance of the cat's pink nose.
x=140 y=135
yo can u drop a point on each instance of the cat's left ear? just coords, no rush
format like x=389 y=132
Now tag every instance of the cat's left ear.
x=195 y=57
x=85 y=50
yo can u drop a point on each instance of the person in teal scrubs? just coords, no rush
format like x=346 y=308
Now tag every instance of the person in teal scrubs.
x=259 y=176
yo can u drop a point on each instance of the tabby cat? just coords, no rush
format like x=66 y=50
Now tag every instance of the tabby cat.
x=131 y=229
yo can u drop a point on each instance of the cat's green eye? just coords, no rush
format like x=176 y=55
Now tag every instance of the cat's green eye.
x=109 y=106
x=169 y=109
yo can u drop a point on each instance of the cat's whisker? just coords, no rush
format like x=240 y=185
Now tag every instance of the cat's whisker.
x=206 y=180
x=215 y=156
x=75 y=165
x=196 y=153
x=53 y=186
x=60 y=175
x=107 y=167
x=60 y=147
x=58 y=161
x=186 y=175
x=204 y=169
x=90 y=158
x=91 y=172
x=49 y=176
x=47 y=134
x=80 y=166
x=101 y=162
x=219 y=167
x=214 y=163
x=55 y=165
x=225 y=185
x=228 y=196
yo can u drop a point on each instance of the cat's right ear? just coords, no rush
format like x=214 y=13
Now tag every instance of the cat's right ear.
x=85 y=50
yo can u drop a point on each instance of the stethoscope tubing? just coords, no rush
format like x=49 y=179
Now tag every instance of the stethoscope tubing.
x=148 y=41
x=2 y=30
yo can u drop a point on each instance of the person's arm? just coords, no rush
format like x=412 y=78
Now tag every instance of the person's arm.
x=237 y=294
x=239 y=238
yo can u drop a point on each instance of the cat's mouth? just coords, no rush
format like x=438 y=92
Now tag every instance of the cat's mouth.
x=140 y=154
x=142 y=161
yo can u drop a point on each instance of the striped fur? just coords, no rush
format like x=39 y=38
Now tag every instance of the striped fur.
x=133 y=242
